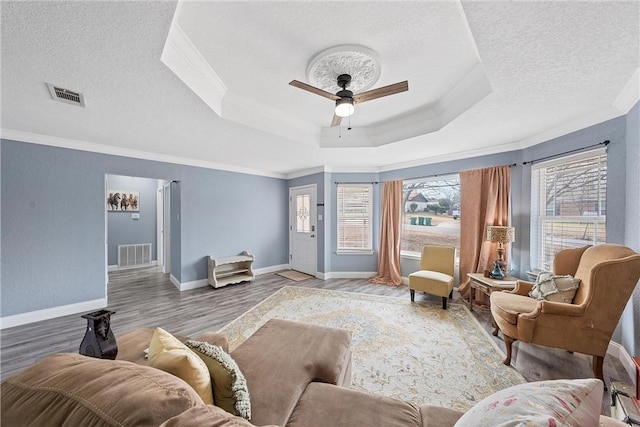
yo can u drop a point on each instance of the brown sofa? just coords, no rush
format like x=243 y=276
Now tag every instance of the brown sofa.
x=297 y=375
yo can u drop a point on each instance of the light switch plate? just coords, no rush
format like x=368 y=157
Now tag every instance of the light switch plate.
x=135 y=216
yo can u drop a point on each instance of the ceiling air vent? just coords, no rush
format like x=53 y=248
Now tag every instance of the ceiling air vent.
x=66 y=95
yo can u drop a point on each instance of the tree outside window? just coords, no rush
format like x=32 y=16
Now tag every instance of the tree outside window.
x=431 y=213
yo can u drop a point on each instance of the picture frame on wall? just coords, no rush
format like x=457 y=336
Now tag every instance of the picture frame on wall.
x=123 y=201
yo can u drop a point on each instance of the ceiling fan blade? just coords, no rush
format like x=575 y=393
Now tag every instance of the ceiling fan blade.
x=381 y=91
x=313 y=89
x=336 y=120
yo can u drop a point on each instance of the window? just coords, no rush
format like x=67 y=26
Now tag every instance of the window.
x=431 y=213
x=354 y=218
x=568 y=205
x=303 y=209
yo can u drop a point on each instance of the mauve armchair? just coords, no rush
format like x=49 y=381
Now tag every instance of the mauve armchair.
x=608 y=274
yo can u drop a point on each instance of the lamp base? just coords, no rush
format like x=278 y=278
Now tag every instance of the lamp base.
x=497 y=272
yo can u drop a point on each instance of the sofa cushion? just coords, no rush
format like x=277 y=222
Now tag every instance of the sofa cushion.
x=557 y=402
x=206 y=416
x=166 y=352
x=327 y=405
x=282 y=357
x=230 y=390
x=70 y=389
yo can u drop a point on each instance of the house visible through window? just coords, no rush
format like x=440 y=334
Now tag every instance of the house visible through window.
x=355 y=218
x=568 y=205
x=431 y=213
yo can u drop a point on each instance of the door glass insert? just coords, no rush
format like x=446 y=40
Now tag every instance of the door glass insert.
x=303 y=222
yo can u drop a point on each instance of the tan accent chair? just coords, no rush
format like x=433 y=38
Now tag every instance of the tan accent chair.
x=608 y=274
x=436 y=274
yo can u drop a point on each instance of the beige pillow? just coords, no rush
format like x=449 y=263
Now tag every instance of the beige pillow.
x=167 y=353
x=554 y=288
x=230 y=390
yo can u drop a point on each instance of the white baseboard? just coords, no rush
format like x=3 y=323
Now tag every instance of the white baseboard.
x=347 y=275
x=272 y=269
x=50 y=313
x=202 y=283
x=619 y=352
x=115 y=267
x=175 y=281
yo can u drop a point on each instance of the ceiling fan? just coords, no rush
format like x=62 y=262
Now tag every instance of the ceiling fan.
x=345 y=99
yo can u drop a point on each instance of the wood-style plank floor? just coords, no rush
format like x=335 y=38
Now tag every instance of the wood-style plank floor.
x=146 y=297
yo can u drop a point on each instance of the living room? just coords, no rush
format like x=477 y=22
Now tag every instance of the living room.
x=232 y=194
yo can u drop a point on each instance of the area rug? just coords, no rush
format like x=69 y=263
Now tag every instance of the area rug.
x=296 y=276
x=416 y=352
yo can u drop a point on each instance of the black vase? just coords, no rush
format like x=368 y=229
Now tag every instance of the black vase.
x=99 y=340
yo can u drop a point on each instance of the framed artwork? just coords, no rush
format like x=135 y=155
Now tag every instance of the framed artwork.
x=123 y=201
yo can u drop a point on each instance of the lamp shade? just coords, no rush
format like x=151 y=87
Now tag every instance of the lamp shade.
x=501 y=234
x=344 y=107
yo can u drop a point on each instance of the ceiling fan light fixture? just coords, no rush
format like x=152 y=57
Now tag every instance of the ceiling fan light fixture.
x=344 y=107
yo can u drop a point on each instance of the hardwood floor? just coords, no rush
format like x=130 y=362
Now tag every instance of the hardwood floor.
x=146 y=297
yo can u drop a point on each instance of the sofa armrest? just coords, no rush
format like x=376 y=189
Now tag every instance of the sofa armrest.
x=215 y=338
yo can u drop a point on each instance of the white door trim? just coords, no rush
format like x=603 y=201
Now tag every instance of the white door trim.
x=312 y=267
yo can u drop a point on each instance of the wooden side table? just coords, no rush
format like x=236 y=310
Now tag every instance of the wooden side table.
x=486 y=285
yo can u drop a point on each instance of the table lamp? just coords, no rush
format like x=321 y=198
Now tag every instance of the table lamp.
x=500 y=235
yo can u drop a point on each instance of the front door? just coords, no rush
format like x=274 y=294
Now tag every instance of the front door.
x=302 y=229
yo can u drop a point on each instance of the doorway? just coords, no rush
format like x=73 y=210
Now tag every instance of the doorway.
x=302 y=229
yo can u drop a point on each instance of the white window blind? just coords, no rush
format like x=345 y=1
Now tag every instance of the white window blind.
x=568 y=205
x=354 y=218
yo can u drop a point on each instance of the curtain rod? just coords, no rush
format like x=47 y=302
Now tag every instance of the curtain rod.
x=605 y=143
x=447 y=173
x=354 y=182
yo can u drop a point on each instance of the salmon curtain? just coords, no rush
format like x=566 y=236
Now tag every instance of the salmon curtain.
x=390 y=228
x=484 y=201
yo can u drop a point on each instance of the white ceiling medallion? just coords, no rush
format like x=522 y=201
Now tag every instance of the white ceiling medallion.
x=361 y=63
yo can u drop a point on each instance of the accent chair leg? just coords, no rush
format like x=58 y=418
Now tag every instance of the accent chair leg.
x=413 y=294
x=451 y=294
x=495 y=327
x=444 y=303
x=508 y=342
x=598 y=361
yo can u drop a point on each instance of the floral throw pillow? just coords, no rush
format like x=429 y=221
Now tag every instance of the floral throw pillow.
x=545 y=403
x=555 y=288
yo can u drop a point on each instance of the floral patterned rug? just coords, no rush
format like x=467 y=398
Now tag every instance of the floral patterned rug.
x=416 y=352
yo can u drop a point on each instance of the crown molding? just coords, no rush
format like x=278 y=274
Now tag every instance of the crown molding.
x=630 y=94
x=72 y=144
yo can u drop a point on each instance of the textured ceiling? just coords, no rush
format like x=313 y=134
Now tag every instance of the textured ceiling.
x=550 y=68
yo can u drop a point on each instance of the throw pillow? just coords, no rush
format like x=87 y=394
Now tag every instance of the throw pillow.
x=230 y=390
x=554 y=288
x=167 y=353
x=545 y=403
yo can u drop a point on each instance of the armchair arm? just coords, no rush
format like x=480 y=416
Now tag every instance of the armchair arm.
x=560 y=308
x=523 y=288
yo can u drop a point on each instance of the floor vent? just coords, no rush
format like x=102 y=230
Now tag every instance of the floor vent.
x=134 y=255
x=66 y=95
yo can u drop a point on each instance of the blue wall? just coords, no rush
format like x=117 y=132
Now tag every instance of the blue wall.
x=52 y=215
x=122 y=228
x=53 y=240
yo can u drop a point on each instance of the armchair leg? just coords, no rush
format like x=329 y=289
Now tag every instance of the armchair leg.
x=598 y=361
x=495 y=327
x=413 y=294
x=508 y=342
x=444 y=303
x=451 y=294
